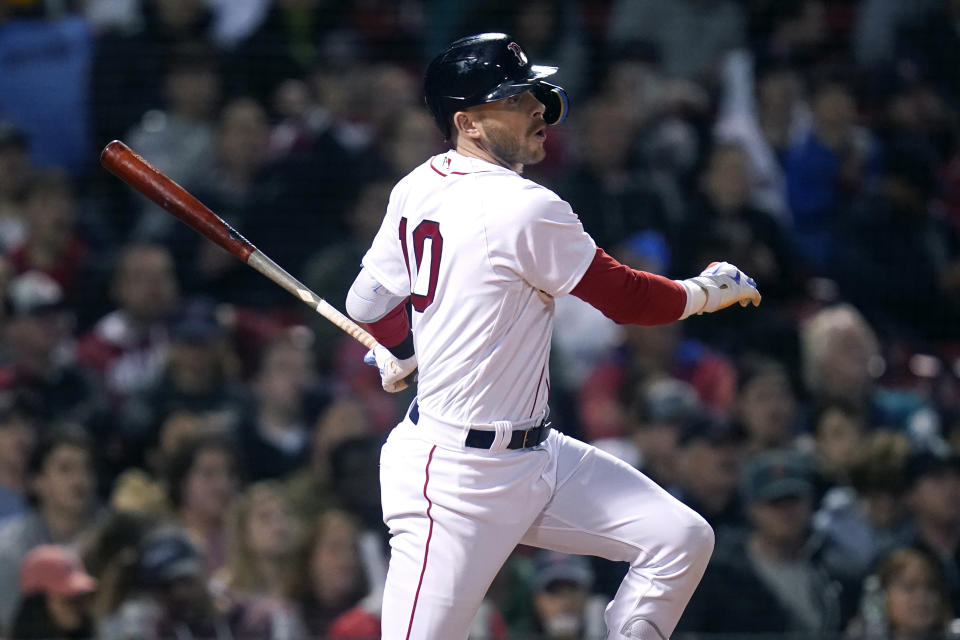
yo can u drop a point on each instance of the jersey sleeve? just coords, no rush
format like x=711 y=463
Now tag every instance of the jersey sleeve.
x=628 y=296
x=385 y=259
x=544 y=243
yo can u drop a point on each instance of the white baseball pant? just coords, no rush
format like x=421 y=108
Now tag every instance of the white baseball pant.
x=455 y=514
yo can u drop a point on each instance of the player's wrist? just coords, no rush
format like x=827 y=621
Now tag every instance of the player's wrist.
x=696 y=297
x=404 y=350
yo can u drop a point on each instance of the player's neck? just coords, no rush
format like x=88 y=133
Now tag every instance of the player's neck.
x=467 y=147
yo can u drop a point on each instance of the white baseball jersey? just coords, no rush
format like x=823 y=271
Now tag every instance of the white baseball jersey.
x=472 y=243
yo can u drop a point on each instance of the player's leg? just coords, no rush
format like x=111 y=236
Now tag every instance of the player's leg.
x=604 y=507
x=454 y=517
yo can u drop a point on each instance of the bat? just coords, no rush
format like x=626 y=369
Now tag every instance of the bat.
x=123 y=162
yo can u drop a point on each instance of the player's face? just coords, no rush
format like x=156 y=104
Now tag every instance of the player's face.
x=513 y=129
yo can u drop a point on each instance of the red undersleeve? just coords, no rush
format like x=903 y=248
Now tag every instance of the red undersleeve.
x=628 y=296
x=391 y=329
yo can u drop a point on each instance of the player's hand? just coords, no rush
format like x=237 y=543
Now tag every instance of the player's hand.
x=724 y=285
x=393 y=372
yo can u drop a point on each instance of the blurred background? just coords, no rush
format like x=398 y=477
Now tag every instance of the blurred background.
x=186 y=451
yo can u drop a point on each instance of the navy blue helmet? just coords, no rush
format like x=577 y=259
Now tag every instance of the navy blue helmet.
x=483 y=68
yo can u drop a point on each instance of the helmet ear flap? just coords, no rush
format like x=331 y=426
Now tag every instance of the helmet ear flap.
x=554 y=100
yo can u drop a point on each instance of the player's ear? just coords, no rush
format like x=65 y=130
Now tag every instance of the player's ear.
x=466 y=124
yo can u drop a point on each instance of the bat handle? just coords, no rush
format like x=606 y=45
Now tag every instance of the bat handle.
x=262 y=263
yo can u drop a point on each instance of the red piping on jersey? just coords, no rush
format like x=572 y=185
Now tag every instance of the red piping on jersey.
x=403 y=244
x=628 y=296
x=426 y=550
x=452 y=173
x=539 y=382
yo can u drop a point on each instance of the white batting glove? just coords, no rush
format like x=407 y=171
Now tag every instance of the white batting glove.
x=719 y=285
x=393 y=372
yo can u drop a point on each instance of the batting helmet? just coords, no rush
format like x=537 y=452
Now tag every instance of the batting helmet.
x=483 y=68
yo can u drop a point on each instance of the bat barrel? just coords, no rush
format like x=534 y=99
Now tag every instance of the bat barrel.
x=123 y=162
x=120 y=160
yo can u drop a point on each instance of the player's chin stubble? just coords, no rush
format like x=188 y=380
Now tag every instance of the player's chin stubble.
x=513 y=149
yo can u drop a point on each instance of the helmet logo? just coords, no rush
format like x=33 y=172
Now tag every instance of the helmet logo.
x=517 y=51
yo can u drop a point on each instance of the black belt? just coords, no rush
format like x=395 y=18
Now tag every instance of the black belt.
x=482 y=439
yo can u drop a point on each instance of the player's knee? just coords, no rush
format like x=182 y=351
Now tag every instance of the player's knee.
x=699 y=539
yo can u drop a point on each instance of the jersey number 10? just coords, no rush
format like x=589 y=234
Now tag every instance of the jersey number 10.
x=424 y=287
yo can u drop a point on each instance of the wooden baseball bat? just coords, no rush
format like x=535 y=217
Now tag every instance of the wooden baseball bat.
x=121 y=161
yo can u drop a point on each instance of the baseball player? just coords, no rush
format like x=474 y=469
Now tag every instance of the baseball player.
x=475 y=468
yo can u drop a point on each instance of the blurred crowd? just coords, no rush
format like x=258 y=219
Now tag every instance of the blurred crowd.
x=186 y=451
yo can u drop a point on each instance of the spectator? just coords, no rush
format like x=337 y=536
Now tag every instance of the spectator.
x=298 y=116
x=608 y=193
x=14 y=177
x=768 y=582
x=355 y=483
x=52 y=244
x=57 y=593
x=933 y=498
x=841 y=359
x=663 y=121
x=822 y=171
x=839 y=431
x=380 y=96
x=180 y=427
x=565 y=606
x=511 y=592
x=128 y=347
x=108 y=549
x=228 y=188
x=128 y=64
x=165 y=596
x=722 y=221
x=905 y=245
x=663 y=409
x=198 y=380
x=18 y=436
x=708 y=465
x=261 y=543
x=361 y=104
x=763 y=117
x=648 y=353
x=766 y=406
x=61 y=485
x=331 y=576
x=275 y=436
x=861 y=521
x=179 y=138
x=310 y=488
x=202 y=480
x=907 y=598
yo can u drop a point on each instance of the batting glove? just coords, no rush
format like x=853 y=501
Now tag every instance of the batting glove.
x=393 y=372
x=719 y=285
